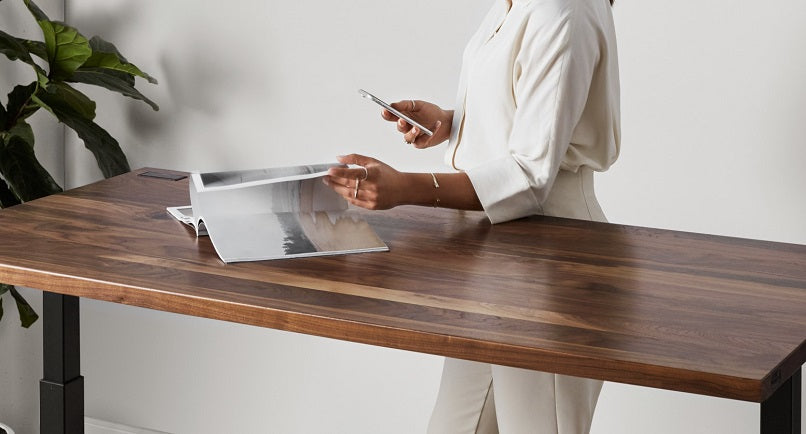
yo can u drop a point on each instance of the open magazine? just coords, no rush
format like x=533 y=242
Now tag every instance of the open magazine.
x=284 y=212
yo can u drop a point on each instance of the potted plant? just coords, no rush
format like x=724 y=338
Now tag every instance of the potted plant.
x=64 y=58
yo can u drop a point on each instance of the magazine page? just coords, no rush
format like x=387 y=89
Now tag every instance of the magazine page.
x=216 y=181
x=304 y=192
x=274 y=213
x=257 y=237
x=185 y=215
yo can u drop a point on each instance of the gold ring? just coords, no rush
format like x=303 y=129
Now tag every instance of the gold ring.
x=413 y=104
x=366 y=173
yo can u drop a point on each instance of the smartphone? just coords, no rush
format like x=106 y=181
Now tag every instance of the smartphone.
x=383 y=104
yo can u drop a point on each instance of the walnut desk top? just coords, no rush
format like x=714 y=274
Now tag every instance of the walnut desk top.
x=689 y=312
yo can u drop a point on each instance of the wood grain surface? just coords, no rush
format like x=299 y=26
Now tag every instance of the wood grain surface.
x=689 y=312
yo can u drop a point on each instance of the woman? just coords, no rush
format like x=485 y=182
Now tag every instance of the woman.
x=537 y=112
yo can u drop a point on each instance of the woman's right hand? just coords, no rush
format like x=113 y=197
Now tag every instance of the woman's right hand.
x=425 y=113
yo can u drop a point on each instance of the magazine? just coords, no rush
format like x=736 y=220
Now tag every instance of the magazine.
x=284 y=212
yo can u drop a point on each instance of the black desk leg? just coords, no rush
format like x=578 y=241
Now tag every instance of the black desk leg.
x=780 y=413
x=61 y=391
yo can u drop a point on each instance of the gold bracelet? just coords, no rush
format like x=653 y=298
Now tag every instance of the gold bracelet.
x=436 y=186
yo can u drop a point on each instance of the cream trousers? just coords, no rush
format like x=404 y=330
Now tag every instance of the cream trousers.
x=479 y=398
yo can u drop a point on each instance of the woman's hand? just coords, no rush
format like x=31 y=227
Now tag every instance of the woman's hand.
x=378 y=187
x=425 y=113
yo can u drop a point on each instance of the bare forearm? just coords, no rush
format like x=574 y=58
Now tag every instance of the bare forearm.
x=455 y=191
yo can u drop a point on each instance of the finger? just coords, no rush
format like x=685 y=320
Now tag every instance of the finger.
x=361 y=198
x=425 y=140
x=365 y=199
x=335 y=181
x=403 y=126
x=411 y=135
x=338 y=187
x=406 y=106
x=389 y=116
x=347 y=173
x=358 y=159
x=360 y=202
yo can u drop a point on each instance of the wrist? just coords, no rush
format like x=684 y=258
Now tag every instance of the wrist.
x=447 y=119
x=420 y=190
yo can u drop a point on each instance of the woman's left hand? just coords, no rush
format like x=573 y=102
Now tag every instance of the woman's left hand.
x=378 y=187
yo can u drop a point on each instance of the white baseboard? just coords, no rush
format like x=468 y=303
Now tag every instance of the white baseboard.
x=95 y=426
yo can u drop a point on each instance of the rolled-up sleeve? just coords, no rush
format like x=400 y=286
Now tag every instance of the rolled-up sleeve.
x=551 y=79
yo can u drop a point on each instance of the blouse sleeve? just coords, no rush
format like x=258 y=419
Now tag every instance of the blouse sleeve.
x=551 y=79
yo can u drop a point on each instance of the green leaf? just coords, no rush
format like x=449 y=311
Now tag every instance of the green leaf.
x=108 y=79
x=20 y=105
x=23 y=130
x=7 y=198
x=104 y=147
x=21 y=49
x=71 y=97
x=13 y=49
x=37 y=48
x=106 y=55
x=67 y=48
x=23 y=173
x=27 y=314
x=35 y=11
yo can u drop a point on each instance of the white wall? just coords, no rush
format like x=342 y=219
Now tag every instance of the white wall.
x=712 y=100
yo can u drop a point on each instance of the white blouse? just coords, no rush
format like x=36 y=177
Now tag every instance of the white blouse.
x=538 y=93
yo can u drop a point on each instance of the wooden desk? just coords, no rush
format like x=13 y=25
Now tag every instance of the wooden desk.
x=695 y=313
